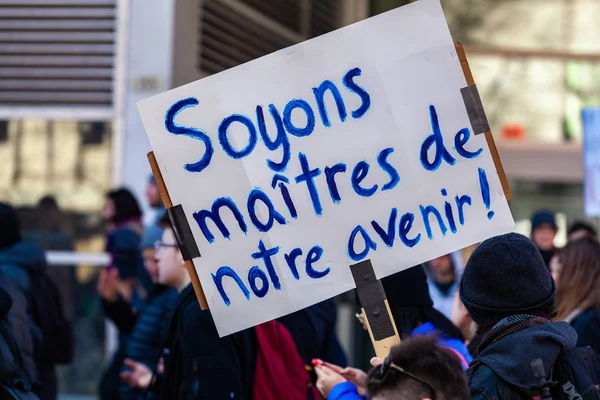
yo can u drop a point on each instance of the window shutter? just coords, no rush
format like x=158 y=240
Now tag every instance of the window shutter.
x=233 y=32
x=57 y=52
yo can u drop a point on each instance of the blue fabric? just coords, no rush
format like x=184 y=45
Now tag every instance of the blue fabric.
x=455 y=344
x=345 y=391
x=149 y=335
x=25 y=254
x=123 y=244
x=18 y=260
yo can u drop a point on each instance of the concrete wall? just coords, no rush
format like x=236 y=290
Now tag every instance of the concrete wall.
x=149 y=71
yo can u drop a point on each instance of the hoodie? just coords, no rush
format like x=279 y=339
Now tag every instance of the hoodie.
x=15 y=264
x=502 y=370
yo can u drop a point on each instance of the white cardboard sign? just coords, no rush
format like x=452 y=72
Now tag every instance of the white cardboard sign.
x=354 y=145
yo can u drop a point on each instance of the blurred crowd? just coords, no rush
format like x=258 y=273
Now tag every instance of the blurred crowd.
x=509 y=318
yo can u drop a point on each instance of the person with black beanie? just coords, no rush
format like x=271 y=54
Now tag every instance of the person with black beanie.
x=543 y=232
x=510 y=294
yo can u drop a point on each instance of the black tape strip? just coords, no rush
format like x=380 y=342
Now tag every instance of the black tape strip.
x=475 y=110
x=372 y=298
x=183 y=233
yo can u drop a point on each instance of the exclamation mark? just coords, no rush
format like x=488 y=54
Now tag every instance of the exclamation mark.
x=485 y=191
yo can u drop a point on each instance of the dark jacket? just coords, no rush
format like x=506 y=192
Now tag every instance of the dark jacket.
x=199 y=364
x=587 y=326
x=149 y=334
x=13 y=376
x=15 y=264
x=313 y=332
x=123 y=245
x=502 y=370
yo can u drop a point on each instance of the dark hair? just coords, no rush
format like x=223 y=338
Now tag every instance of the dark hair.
x=417 y=368
x=10 y=229
x=126 y=206
x=579 y=277
x=164 y=222
x=582 y=226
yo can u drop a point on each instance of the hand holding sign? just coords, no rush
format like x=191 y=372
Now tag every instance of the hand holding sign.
x=355 y=145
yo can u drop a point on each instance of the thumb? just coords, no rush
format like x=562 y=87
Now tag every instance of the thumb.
x=320 y=373
x=376 y=361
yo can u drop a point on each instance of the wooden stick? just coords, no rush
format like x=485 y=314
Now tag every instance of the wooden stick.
x=166 y=199
x=376 y=312
x=382 y=347
x=460 y=51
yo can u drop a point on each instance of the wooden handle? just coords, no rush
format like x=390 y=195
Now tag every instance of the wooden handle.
x=460 y=51
x=382 y=347
x=166 y=199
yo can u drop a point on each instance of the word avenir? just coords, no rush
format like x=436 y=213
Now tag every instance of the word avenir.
x=283 y=122
x=262 y=276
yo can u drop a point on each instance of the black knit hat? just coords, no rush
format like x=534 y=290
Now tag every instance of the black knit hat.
x=506 y=275
x=543 y=217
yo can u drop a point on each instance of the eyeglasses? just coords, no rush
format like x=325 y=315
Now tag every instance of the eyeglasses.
x=159 y=245
x=387 y=364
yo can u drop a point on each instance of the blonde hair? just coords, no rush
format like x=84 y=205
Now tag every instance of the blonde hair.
x=579 y=277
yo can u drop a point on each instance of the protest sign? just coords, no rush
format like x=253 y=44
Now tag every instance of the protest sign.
x=591 y=160
x=354 y=145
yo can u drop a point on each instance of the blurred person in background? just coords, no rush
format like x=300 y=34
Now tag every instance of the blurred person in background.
x=543 y=232
x=581 y=229
x=146 y=326
x=52 y=233
x=257 y=363
x=464 y=322
x=443 y=275
x=151 y=230
x=412 y=308
x=577 y=277
x=121 y=280
x=43 y=334
x=154 y=200
x=14 y=379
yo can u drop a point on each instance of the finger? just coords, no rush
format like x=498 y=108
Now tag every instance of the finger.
x=334 y=367
x=129 y=363
x=347 y=372
x=320 y=373
x=376 y=361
